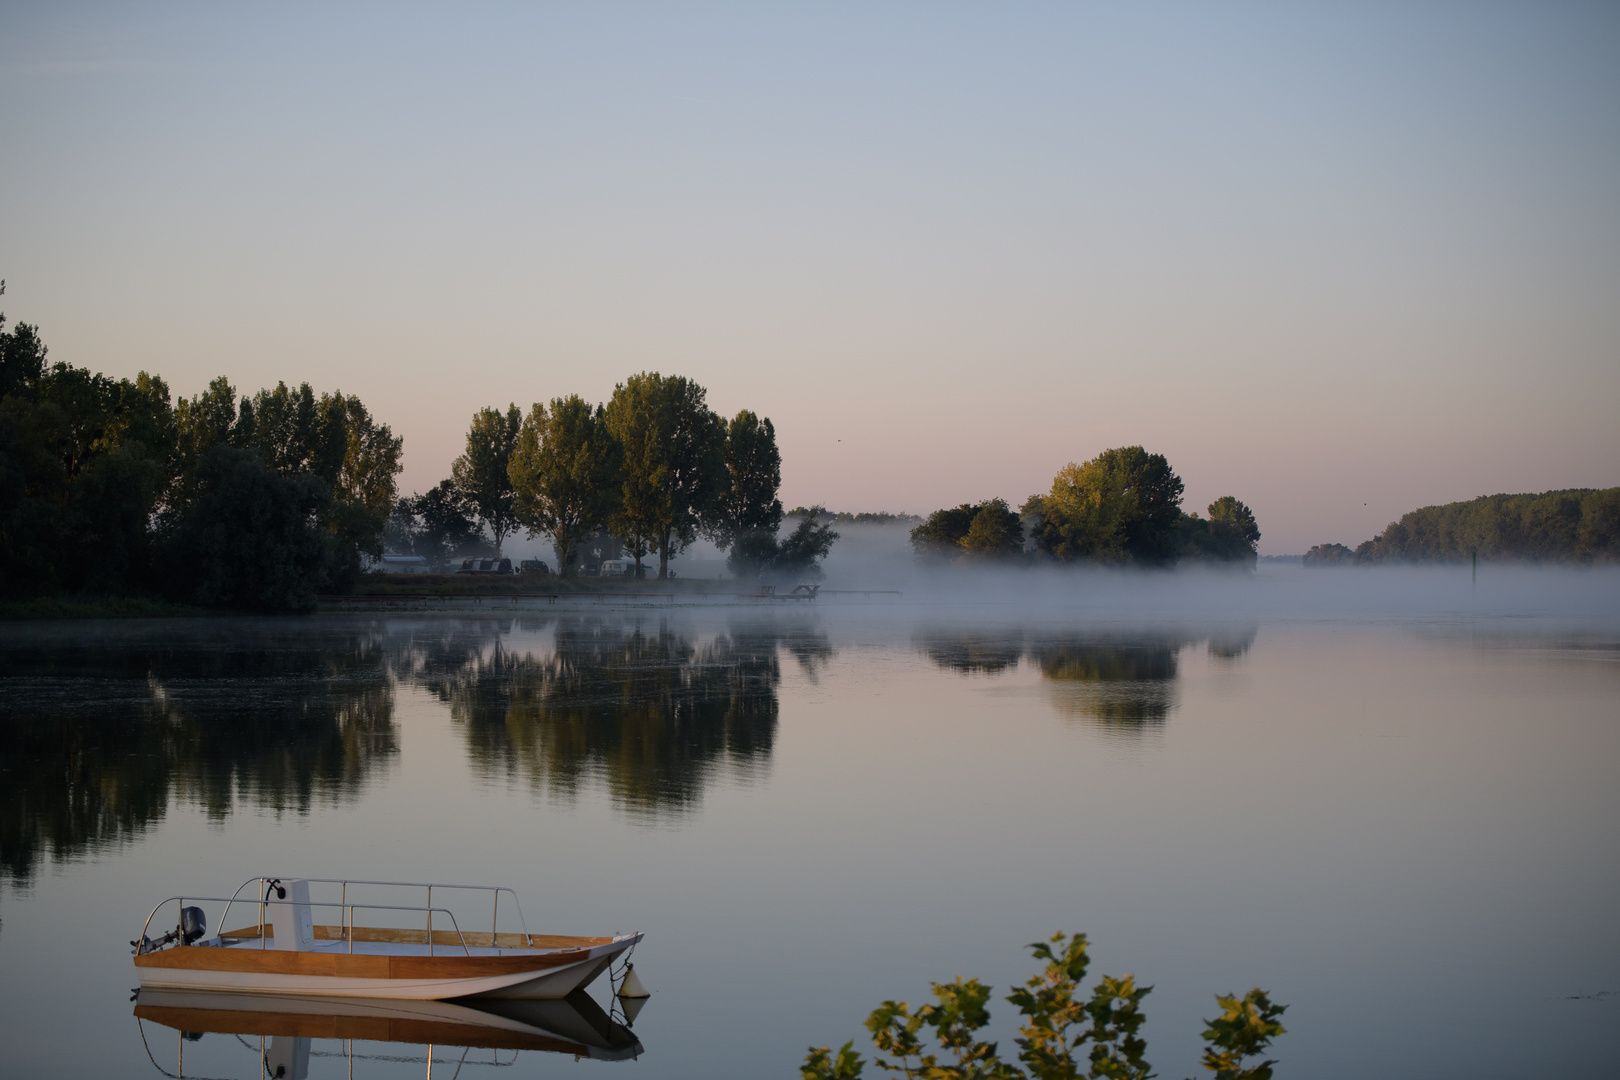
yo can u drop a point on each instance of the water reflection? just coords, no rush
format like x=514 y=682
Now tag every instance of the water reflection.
x=102 y=732
x=646 y=707
x=286 y=1036
x=1123 y=680
x=971 y=652
x=106 y=727
x=1128 y=682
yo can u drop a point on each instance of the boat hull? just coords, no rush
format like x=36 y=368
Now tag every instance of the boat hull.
x=550 y=974
x=576 y=1026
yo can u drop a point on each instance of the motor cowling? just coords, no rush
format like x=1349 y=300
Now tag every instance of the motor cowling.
x=193 y=924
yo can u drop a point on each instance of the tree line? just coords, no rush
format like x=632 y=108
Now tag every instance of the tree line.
x=108 y=487
x=646 y=473
x=1577 y=525
x=1121 y=508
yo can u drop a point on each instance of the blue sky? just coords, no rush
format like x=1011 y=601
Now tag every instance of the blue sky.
x=1337 y=260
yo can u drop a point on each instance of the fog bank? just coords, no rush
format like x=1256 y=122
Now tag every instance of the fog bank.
x=880 y=558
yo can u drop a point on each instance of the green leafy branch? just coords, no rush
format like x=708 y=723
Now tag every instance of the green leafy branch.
x=1063 y=1036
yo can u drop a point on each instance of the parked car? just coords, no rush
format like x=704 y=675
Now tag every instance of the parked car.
x=533 y=566
x=616 y=568
x=485 y=566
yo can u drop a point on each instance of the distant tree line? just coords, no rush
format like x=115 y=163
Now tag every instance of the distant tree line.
x=846 y=518
x=1576 y=525
x=1121 y=508
x=108 y=488
x=646 y=473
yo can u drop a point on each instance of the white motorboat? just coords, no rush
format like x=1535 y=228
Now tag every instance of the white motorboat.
x=367 y=952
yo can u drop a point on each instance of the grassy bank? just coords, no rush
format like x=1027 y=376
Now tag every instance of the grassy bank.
x=379 y=586
x=382 y=585
x=98 y=607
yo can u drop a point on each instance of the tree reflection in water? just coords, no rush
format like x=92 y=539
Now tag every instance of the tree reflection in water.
x=645 y=707
x=1124 y=681
x=103 y=731
x=971 y=652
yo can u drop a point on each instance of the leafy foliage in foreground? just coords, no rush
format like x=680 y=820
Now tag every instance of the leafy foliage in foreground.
x=1063 y=1036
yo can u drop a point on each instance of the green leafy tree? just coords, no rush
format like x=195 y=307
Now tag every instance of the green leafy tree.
x=1063 y=1035
x=940 y=536
x=1229 y=535
x=287 y=427
x=799 y=553
x=22 y=356
x=797 y=556
x=249 y=536
x=674 y=461
x=995 y=532
x=1122 y=506
x=332 y=437
x=85 y=461
x=1329 y=555
x=564 y=472
x=205 y=421
x=989 y=529
x=749 y=502
x=643 y=504
x=482 y=475
x=1233 y=525
x=359 y=460
x=1244 y=1030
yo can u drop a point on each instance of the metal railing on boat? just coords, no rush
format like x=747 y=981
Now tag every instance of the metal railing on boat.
x=344 y=883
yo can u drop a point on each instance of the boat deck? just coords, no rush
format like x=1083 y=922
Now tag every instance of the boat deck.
x=375 y=941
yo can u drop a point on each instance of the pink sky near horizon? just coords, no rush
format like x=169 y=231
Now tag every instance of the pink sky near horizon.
x=1337 y=263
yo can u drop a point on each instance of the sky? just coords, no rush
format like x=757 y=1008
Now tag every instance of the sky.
x=1340 y=261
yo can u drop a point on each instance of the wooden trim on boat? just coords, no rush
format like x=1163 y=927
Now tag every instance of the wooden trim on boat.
x=352 y=966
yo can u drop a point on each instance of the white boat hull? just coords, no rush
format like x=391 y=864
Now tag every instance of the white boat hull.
x=250 y=970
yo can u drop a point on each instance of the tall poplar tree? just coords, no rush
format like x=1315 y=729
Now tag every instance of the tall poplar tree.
x=480 y=473
x=749 y=503
x=674 y=460
x=564 y=472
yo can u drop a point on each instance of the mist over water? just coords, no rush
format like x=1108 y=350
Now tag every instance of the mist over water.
x=880 y=557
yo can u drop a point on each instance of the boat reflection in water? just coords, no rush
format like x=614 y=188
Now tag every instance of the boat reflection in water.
x=280 y=1034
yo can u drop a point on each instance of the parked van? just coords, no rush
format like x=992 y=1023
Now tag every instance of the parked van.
x=533 y=566
x=485 y=566
x=616 y=568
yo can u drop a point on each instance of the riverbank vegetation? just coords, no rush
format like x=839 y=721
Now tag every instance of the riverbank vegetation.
x=1579 y=525
x=107 y=489
x=1062 y=1036
x=1121 y=508
x=645 y=473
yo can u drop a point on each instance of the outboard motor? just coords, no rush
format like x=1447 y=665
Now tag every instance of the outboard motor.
x=193 y=924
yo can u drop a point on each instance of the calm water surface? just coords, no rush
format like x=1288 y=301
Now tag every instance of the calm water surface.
x=1404 y=828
